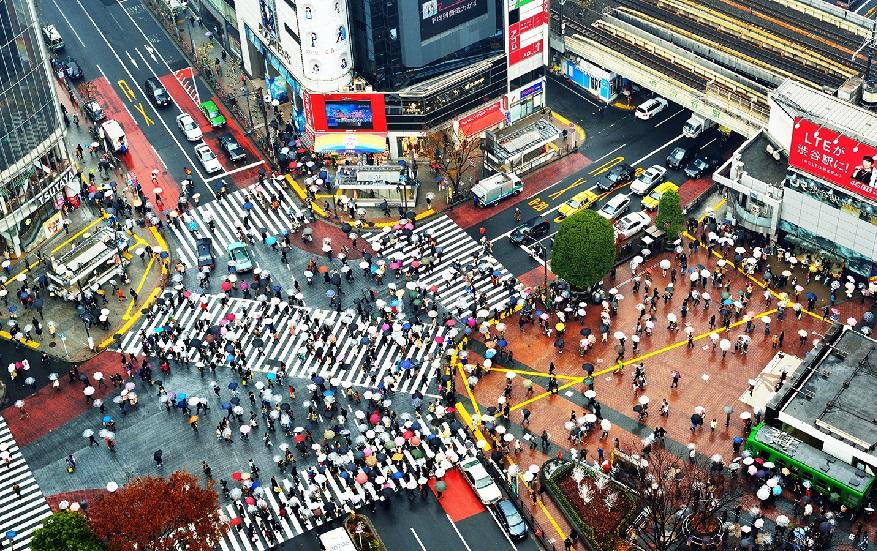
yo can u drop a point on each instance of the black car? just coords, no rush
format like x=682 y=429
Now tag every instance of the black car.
x=72 y=70
x=701 y=166
x=206 y=260
x=232 y=148
x=617 y=175
x=94 y=111
x=157 y=92
x=511 y=520
x=678 y=157
x=530 y=230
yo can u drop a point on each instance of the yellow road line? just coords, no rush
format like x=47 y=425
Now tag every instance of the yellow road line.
x=140 y=285
x=302 y=194
x=27 y=342
x=534 y=373
x=464 y=413
x=580 y=132
x=714 y=208
x=544 y=394
x=550 y=518
x=475 y=407
x=133 y=319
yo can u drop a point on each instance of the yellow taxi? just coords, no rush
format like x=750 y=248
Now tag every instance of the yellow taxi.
x=580 y=201
x=651 y=201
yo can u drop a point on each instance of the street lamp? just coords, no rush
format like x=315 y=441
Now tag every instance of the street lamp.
x=266 y=100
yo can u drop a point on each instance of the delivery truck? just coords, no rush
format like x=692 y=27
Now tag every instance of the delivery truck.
x=696 y=125
x=495 y=188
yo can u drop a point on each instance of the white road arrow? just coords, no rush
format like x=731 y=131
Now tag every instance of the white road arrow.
x=151 y=51
x=132 y=59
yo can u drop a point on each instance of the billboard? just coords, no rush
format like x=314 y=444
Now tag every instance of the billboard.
x=348 y=115
x=834 y=157
x=438 y=16
x=346 y=112
x=528 y=29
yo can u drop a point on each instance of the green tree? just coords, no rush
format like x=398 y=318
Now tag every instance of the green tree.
x=584 y=249
x=670 y=218
x=65 y=530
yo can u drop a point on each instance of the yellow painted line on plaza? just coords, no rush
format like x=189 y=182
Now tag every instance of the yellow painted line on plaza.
x=535 y=373
x=544 y=394
x=714 y=208
x=464 y=413
x=302 y=194
x=580 y=132
x=475 y=407
x=26 y=342
x=550 y=518
x=127 y=314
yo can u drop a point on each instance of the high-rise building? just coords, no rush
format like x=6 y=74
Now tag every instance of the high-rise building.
x=33 y=160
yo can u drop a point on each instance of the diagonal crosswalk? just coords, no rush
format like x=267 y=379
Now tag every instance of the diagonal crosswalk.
x=22 y=510
x=453 y=244
x=304 y=498
x=263 y=352
x=229 y=213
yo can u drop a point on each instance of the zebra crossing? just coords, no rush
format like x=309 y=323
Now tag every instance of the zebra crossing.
x=454 y=244
x=21 y=512
x=336 y=488
x=228 y=213
x=263 y=353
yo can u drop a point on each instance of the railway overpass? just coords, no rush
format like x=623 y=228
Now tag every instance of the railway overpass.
x=720 y=58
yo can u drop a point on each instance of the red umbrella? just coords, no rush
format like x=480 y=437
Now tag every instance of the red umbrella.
x=236 y=475
x=299 y=437
x=230 y=316
x=415 y=264
x=236 y=521
x=407 y=435
x=293 y=164
x=374 y=419
x=451 y=323
x=250 y=500
x=434 y=288
x=226 y=287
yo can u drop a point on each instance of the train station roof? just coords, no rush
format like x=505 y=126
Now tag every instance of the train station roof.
x=834 y=390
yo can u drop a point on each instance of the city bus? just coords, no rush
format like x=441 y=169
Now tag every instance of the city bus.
x=826 y=474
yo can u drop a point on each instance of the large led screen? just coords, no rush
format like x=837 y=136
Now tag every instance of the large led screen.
x=438 y=16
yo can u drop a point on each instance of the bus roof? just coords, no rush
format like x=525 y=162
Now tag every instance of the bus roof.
x=815 y=459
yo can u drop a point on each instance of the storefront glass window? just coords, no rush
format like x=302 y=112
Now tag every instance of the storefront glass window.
x=826 y=194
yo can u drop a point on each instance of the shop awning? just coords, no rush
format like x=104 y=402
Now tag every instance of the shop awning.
x=350 y=142
x=472 y=126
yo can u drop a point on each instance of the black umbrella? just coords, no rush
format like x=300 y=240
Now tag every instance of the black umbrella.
x=336 y=279
x=696 y=419
x=496 y=455
x=345 y=227
x=258 y=343
x=284 y=406
x=236 y=401
x=585 y=331
x=589 y=368
x=195 y=342
x=367 y=257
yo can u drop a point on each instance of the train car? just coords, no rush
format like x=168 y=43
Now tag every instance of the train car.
x=827 y=474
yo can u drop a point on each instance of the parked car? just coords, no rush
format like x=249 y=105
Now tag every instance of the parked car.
x=71 y=68
x=615 y=207
x=650 y=108
x=618 y=175
x=211 y=111
x=579 y=202
x=190 y=128
x=206 y=259
x=632 y=224
x=232 y=148
x=207 y=158
x=530 y=231
x=52 y=38
x=156 y=92
x=93 y=111
x=484 y=486
x=679 y=156
x=648 y=179
x=240 y=255
x=651 y=202
x=511 y=520
x=701 y=166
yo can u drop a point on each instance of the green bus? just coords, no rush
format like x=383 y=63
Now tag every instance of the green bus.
x=827 y=474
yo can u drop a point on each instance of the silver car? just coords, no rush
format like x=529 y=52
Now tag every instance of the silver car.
x=208 y=158
x=189 y=127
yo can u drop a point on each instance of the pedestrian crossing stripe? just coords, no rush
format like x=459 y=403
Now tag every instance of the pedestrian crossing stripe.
x=290 y=345
x=22 y=513
x=229 y=212
x=337 y=489
x=455 y=244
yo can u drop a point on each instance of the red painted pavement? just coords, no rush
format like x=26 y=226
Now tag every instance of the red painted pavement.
x=241 y=179
x=693 y=190
x=467 y=215
x=141 y=158
x=50 y=409
x=458 y=500
x=89 y=495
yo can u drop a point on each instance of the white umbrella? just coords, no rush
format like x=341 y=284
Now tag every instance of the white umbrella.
x=765 y=319
x=605 y=424
x=664 y=264
x=725 y=345
x=643 y=400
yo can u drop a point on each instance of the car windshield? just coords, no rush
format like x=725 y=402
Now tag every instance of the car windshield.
x=232 y=145
x=608 y=209
x=239 y=254
x=207 y=155
x=514 y=518
x=614 y=176
x=483 y=482
x=655 y=195
x=700 y=163
x=189 y=124
x=677 y=153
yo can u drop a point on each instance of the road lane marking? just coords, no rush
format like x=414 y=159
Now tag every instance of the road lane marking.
x=131 y=77
x=419 y=542
x=611 y=152
x=466 y=545
x=235 y=171
x=501 y=529
x=670 y=117
x=659 y=148
x=69 y=24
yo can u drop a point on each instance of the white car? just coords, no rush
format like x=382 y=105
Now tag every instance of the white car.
x=208 y=158
x=648 y=179
x=189 y=127
x=650 y=108
x=632 y=224
x=484 y=486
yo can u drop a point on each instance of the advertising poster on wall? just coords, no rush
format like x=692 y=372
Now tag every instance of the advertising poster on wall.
x=438 y=16
x=528 y=29
x=347 y=112
x=834 y=157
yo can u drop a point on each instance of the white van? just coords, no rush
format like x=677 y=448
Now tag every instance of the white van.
x=336 y=540
x=114 y=137
x=52 y=37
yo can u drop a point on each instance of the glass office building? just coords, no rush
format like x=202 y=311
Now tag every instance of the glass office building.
x=33 y=160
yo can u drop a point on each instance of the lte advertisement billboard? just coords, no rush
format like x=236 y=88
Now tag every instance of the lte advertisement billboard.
x=438 y=16
x=834 y=157
x=347 y=112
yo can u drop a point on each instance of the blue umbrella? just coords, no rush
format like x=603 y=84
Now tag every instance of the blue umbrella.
x=276 y=288
x=13 y=308
x=10 y=534
x=364 y=340
x=108 y=419
x=192 y=225
x=159 y=329
x=232 y=385
x=163 y=254
x=226 y=405
x=230 y=358
x=328 y=393
x=496 y=273
x=345 y=474
x=397 y=475
x=330 y=293
x=406 y=325
x=181 y=396
x=502 y=343
x=270 y=240
x=405 y=364
x=415 y=425
x=248 y=205
x=811 y=295
x=229 y=347
x=318 y=380
x=489 y=353
x=271 y=375
x=727 y=301
x=538 y=313
x=181 y=404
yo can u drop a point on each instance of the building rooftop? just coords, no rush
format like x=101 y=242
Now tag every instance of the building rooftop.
x=836 y=389
x=759 y=164
x=830 y=111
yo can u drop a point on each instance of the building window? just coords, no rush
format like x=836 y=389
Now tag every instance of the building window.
x=291 y=33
